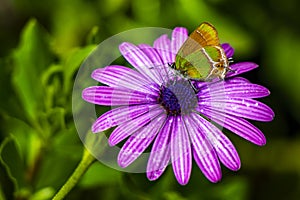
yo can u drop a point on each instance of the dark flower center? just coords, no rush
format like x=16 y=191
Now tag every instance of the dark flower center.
x=178 y=98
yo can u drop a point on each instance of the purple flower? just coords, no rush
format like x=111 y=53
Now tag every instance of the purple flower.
x=156 y=106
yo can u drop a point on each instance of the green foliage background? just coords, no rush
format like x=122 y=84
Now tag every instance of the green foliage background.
x=43 y=44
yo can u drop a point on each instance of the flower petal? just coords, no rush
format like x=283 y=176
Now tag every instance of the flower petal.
x=225 y=89
x=160 y=154
x=108 y=96
x=163 y=46
x=179 y=36
x=181 y=155
x=123 y=77
x=160 y=70
x=202 y=84
x=237 y=125
x=138 y=59
x=223 y=146
x=237 y=79
x=129 y=127
x=152 y=54
x=229 y=51
x=204 y=153
x=241 y=67
x=120 y=115
x=139 y=141
x=240 y=107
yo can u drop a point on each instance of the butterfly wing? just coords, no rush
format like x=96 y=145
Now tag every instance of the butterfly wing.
x=204 y=35
x=195 y=65
x=200 y=53
x=201 y=65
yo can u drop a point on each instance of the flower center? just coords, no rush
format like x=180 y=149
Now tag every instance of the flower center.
x=178 y=98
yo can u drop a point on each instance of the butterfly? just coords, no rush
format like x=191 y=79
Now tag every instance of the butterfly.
x=201 y=56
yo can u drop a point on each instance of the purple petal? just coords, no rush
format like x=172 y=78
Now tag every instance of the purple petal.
x=139 y=141
x=122 y=77
x=152 y=54
x=225 y=90
x=163 y=46
x=237 y=79
x=200 y=84
x=160 y=154
x=181 y=155
x=108 y=96
x=179 y=36
x=204 y=153
x=129 y=127
x=224 y=148
x=229 y=51
x=160 y=70
x=138 y=59
x=241 y=67
x=240 y=107
x=237 y=125
x=120 y=115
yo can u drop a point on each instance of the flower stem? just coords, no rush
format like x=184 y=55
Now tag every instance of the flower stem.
x=86 y=161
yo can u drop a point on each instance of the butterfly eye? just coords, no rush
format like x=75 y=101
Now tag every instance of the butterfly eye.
x=218 y=65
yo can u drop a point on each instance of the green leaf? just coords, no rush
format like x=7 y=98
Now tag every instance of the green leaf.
x=8 y=101
x=10 y=158
x=51 y=80
x=26 y=138
x=67 y=143
x=54 y=170
x=61 y=157
x=19 y=154
x=72 y=63
x=31 y=58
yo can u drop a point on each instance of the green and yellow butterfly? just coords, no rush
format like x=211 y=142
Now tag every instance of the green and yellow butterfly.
x=201 y=56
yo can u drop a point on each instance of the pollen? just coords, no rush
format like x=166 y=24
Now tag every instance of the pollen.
x=178 y=98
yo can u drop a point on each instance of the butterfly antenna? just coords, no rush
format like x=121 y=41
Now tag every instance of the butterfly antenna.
x=168 y=73
x=159 y=72
x=230 y=60
x=193 y=86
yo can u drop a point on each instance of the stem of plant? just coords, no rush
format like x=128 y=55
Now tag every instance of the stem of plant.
x=85 y=163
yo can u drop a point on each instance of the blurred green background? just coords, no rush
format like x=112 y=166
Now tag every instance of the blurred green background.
x=43 y=44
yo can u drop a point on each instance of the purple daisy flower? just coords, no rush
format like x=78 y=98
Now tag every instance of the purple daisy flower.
x=156 y=106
